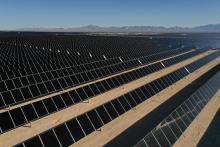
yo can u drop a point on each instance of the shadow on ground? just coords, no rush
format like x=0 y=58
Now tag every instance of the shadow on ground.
x=211 y=138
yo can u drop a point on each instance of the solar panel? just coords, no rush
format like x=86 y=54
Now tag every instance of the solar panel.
x=118 y=107
x=59 y=102
x=75 y=129
x=49 y=139
x=18 y=116
x=29 y=112
x=95 y=119
x=111 y=110
x=6 y=121
x=40 y=108
x=34 y=141
x=63 y=135
x=125 y=104
x=104 y=115
x=86 y=124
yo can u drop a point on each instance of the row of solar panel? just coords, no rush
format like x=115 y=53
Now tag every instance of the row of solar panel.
x=173 y=61
x=104 y=114
x=172 y=127
x=26 y=93
x=203 y=61
x=161 y=55
x=67 y=99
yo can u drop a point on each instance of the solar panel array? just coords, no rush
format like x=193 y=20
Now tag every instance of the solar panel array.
x=87 y=123
x=17 y=88
x=43 y=75
x=173 y=126
x=64 y=100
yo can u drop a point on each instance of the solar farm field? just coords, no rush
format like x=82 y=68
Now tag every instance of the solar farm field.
x=59 y=89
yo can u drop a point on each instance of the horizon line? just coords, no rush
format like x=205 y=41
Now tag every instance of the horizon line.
x=102 y=26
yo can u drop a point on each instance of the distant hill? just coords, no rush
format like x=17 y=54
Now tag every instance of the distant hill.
x=143 y=29
x=210 y=27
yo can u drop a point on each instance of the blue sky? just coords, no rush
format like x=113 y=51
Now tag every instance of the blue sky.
x=74 y=13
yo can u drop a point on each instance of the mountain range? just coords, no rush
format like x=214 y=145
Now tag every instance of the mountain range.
x=125 y=29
